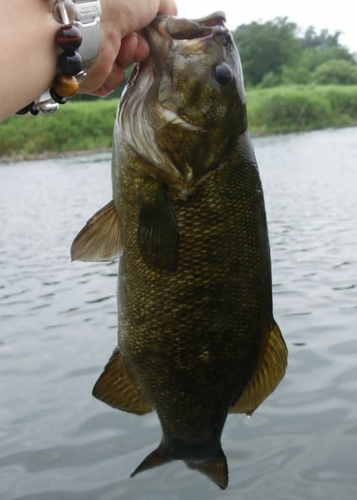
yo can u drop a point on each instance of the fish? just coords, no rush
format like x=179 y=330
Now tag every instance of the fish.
x=197 y=339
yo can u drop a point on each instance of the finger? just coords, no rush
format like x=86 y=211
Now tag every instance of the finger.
x=112 y=82
x=134 y=48
x=126 y=55
x=168 y=7
x=99 y=72
x=142 y=50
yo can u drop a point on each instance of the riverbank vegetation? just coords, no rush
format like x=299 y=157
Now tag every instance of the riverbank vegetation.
x=82 y=126
x=77 y=126
x=295 y=81
x=299 y=108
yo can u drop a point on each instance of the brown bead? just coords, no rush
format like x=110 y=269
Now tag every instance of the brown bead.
x=68 y=37
x=65 y=85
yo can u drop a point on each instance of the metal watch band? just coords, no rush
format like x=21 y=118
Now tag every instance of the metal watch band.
x=88 y=21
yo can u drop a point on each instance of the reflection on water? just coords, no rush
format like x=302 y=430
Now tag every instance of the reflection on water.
x=58 y=327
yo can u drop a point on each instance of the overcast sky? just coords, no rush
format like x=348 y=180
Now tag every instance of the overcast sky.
x=334 y=15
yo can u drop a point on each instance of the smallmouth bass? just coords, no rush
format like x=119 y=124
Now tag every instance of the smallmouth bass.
x=196 y=335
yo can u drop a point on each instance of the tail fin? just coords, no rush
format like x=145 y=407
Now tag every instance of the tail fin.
x=156 y=458
x=216 y=470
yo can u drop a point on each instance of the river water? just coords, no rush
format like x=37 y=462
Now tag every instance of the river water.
x=58 y=328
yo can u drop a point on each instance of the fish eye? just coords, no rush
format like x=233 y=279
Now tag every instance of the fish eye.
x=222 y=73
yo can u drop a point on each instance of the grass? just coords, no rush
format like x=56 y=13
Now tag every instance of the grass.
x=298 y=108
x=88 y=125
x=78 y=126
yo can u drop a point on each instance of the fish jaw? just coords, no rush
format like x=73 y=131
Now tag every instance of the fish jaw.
x=168 y=35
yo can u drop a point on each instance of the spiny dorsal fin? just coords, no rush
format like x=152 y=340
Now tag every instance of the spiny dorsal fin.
x=99 y=240
x=155 y=459
x=215 y=470
x=158 y=234
x=267 y=376
x=115 y=388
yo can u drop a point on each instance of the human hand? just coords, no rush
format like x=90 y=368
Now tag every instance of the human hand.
x=120 y=44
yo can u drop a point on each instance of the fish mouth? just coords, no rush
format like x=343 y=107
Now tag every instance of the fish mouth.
x=164 y=31
x=168 y=37
x=188 y=29
x=182 y=28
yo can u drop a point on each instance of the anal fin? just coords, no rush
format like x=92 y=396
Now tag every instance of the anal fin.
x=267 y=376
x=99 y=240
x=115 y=388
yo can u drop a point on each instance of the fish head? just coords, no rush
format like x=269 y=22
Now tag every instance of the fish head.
x=184 y=107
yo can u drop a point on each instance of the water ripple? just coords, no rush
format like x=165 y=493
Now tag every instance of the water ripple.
x=58 y=329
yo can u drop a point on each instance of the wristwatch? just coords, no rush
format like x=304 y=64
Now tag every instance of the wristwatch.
x=88 y=21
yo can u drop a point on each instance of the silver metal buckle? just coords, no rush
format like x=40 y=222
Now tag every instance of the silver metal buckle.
x=88 y=21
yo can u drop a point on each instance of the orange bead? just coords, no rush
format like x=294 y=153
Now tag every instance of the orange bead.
x=65 y=85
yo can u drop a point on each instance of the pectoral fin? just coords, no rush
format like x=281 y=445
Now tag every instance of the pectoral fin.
x=115 y=388
x=267 y=376
x=158 y=234
x=99 y=240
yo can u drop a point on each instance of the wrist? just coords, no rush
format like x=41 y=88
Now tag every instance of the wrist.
x=77 y=36
x=28 y=61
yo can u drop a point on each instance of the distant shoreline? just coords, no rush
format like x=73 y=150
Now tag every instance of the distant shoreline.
x=86 y=127
x=50 y=155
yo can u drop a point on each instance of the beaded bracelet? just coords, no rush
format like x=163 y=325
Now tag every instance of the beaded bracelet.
x=68 y=39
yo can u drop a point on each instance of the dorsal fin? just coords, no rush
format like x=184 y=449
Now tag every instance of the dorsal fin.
x=99 y=240
x=116 y=388
x=216 y=470
x=267 y=376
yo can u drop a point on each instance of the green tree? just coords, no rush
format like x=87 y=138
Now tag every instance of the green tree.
x=317 y=49
x=303 y=69
x=321 y=40
x=266 y=47
x=336 y=72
